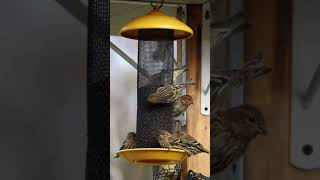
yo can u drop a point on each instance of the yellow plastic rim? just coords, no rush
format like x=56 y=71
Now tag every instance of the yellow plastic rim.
x=153 y=155
x=156 y=19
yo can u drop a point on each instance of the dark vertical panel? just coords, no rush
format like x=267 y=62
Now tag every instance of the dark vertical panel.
x=98 y=69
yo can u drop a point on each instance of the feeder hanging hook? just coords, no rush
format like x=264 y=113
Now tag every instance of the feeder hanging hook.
x=157 y=7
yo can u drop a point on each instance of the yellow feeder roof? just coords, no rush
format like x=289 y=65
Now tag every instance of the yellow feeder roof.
x=156 y=19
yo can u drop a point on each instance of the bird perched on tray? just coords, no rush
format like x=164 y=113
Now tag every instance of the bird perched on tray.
x=231 y=132
x=168 y=93
x=181 y=105
x=187 y=139
x=221 y=81
x=128 y=143
x=184 y=142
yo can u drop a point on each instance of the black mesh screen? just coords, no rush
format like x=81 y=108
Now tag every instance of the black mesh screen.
x=98 y=90
x=155 y=56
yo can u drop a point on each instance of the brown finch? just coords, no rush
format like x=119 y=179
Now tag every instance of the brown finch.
x=231 y=132
x=128 y=143
x=194 y=147
x=184 y=142
x=164 y=74
x=167 y=94
x=176 y=73
x=221 y=81
x=181 y=105
x=168 y=140
x=191 y=144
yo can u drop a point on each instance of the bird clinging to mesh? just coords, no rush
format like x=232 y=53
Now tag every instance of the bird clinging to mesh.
x=231 y=132
x=221 y=81
x=176 y=74
x=184 y=142
x=181 y=105
x=168 y=93
x=128 y=143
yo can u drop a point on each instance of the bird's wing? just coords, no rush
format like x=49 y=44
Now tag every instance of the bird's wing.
x=226 y=149
x=165 y=73
x=166 y=93
x=174 y=139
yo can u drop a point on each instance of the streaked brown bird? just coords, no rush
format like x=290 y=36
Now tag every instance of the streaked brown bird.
x=168 y=93
x=168 y=140
x=176 y=74
x=128 y=143
x=222 y=81
x=192 y=145
x=181 y=105
x=231 y=132
x=184 y=142
x=187 y=139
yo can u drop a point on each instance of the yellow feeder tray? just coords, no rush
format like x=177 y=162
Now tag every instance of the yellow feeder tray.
x=153 y=155
x=156 y=19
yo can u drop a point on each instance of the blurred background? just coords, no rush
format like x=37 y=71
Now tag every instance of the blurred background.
x=43 y=92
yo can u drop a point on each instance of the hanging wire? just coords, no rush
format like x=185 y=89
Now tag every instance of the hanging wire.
x=157 y=7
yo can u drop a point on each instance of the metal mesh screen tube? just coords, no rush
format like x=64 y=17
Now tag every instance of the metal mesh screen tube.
x=154 y=57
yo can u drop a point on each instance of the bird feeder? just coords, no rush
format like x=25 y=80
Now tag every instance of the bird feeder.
x=155 y=33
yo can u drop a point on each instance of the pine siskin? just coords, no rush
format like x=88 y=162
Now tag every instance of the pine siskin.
x=181 y=105
x=168 y=140
x=232 y=130
x=221 y=81
x=176 y=73
x=128 y=143
x=224 y=30
x=184 y=142
x=192 y=145
x=167 y=94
